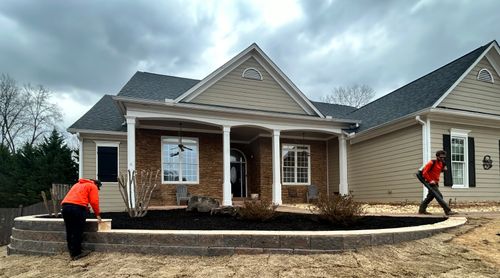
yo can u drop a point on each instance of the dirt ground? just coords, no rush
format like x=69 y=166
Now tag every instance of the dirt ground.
x=472 y=250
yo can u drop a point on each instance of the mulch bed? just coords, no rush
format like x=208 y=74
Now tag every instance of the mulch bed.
x=180 y=219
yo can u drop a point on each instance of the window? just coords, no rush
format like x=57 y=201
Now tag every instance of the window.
x=485 y=75
x=107 y=161
x=180 y=165
x=296 y=163
x=251 y=73
x=459 y=158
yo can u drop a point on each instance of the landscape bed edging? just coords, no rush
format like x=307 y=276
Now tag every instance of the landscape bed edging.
x=46 y=236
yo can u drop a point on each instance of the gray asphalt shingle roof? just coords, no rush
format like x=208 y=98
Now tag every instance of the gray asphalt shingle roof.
x=417 y=95
x=104 y=115
x=151 y=86
x=334 y=110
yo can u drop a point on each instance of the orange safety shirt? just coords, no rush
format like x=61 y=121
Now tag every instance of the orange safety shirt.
x=432 y=173
x=82 y=193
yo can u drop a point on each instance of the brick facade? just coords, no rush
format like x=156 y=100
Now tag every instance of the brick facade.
x=259 y=166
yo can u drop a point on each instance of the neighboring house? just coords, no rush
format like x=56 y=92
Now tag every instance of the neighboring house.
x=246 y=128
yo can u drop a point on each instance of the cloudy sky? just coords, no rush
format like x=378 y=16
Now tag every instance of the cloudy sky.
x=81 y=50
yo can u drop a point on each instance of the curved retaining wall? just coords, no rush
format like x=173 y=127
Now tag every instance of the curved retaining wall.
x=45 y=236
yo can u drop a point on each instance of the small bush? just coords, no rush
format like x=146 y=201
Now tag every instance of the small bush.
x=257 y=210
x=338 y=209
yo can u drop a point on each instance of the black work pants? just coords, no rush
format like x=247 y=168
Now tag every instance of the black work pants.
x=74 y=220
x=434 y=193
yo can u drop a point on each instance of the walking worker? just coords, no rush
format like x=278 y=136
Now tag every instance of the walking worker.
x=75 y=210
x=431 y=173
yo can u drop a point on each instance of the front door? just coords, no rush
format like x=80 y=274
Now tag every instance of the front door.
x=238 y=174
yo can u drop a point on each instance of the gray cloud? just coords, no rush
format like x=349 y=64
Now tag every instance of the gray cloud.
x=91 y=48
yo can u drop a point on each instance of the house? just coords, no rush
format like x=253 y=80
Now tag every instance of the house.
x=247 y=129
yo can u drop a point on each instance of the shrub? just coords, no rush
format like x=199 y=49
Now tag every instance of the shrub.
x=338 y=209
x=257 y=210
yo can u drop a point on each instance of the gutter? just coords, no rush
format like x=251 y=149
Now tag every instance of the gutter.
x=170 y=103
x=426 y=145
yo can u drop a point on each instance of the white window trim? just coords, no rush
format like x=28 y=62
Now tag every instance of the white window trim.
x=461 y=133
x=247 y=69
x=115 y=144
x=491 y=75
x=163 y=139
x=308 y=165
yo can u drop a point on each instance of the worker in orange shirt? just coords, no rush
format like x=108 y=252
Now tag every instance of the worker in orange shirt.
x=75 y=209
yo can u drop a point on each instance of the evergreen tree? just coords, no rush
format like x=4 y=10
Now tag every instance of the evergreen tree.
x=56 y=164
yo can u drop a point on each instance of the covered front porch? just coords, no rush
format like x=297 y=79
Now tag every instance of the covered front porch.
x=231 y=160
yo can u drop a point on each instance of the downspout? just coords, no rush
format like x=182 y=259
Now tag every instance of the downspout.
x=80 y=155
x=425 y=145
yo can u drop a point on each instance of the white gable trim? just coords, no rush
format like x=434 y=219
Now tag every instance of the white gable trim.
x=296 y=97
x=194 y=92
x=238 y=60
x=494 y=65
x=492 y=45
x=288 y=81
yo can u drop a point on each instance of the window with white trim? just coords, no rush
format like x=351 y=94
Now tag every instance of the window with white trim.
x=180 y=164
x=296 y=164
x=459 y=158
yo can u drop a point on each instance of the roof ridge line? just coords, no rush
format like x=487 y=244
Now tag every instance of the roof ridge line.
x=455 y=60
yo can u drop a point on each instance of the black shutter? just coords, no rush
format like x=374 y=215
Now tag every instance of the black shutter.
x=107 y=164
x=448 y=179
x=472 y=163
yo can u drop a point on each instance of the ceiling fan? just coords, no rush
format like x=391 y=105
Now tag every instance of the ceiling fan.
x=180 y=146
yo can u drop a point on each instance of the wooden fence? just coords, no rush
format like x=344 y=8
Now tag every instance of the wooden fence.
x=7 y=215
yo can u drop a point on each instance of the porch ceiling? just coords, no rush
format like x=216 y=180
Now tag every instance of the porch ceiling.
x=239 y=133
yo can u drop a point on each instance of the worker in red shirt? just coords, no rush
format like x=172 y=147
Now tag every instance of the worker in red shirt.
x=75 y=210
x=431 y=173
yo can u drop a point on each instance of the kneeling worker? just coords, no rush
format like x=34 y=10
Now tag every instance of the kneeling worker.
x=75 y=210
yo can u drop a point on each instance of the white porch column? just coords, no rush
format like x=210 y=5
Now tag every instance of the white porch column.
x=343 y=186
x=226 y=198
x=130 y=158
x=276 y=168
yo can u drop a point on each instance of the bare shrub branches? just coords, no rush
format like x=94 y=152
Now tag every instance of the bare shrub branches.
x=143 y=190
x=338 y=209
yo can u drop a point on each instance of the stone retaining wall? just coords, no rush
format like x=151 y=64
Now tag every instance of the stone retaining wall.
x=44 y=236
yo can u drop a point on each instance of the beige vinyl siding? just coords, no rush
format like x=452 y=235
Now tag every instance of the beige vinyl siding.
x=235 y=91
x=486 y=143
x=474 y=95
x=383 y=168
x=333 y=165
x=109 y=196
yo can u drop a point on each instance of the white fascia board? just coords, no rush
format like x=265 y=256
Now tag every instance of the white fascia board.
x=211 y=76
x=288 y=81
x=235 y=62
x=206 y=108
x=296 y=96
x=90 y=131
x=473 y=115
x=386 y=127
x=494 y=64
x=214 y=79
x=231 y=119
x=464 y=75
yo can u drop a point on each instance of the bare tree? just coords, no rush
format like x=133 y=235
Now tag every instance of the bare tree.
x=40 y=113
x=354 y=95
x=12 y=108
x=25 y=115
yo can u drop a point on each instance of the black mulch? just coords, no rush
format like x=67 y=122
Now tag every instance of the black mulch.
x=180 y=219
